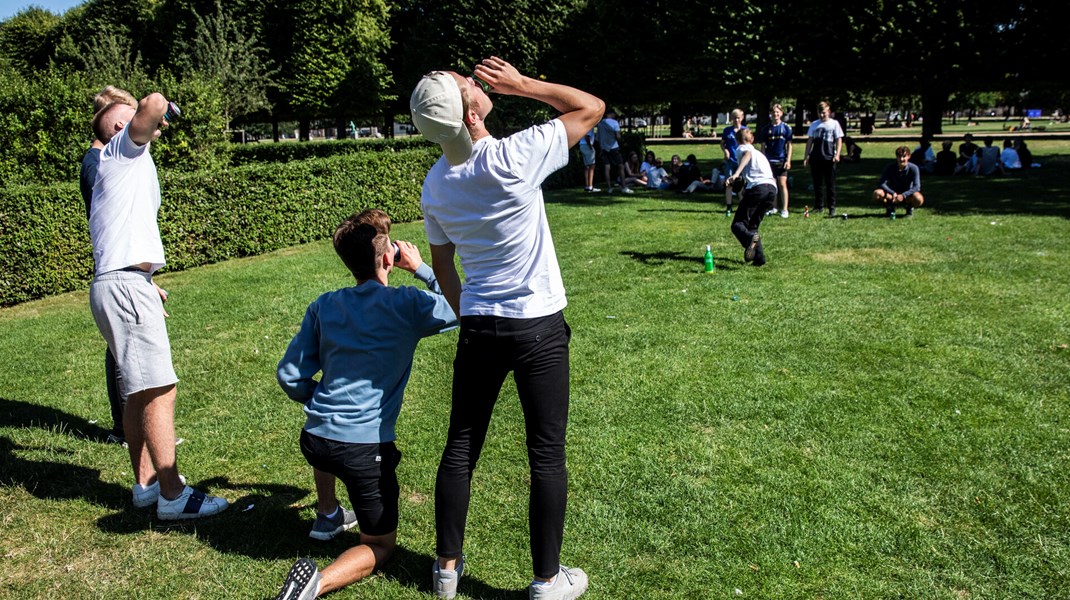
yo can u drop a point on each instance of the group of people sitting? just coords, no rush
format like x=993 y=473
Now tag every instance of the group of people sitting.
x=971 y=158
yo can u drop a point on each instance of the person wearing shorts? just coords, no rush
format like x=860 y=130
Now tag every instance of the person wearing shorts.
x=483 y=202
x=128 y=307
x=776 y=146
x=609 y=141
x=351 y=412
x=587 y=153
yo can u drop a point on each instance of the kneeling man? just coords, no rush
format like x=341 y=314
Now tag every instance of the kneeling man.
x=900 y=184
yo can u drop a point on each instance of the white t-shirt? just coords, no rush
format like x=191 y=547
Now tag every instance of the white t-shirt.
x=654 y=176
x=757 y=171
x=126 y=198
x=491 y=208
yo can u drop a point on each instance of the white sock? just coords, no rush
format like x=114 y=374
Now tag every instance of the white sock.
x=543 y=583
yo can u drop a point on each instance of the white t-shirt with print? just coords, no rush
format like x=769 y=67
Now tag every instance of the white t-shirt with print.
x=491 y=208
x=126 y=198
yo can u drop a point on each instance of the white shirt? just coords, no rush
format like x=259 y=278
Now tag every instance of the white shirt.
x=491 y=208
x=757 y=171
x=126 y=198
x=654 y=176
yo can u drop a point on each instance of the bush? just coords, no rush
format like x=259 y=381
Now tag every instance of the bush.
x=207 y=216
x=244 y=154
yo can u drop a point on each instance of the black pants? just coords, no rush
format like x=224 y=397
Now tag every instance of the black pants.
x=756 y=201
x=536 y=351
x=118 y=403
x=824 y=174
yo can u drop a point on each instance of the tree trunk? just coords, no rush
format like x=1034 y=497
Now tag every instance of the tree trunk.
x=933 y=103
x=676 y=121
x=303 y=128
x=340 y=128
x=388 y=123
x=275 y=131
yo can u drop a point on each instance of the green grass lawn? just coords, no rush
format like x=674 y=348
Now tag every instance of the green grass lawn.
x=881 y=411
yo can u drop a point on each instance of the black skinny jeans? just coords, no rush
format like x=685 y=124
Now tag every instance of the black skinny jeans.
x=824 y=174
x=536 y=351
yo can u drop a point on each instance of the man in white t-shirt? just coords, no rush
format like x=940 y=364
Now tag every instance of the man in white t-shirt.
x=483 y=202
x=759 y=196
x=128 y=308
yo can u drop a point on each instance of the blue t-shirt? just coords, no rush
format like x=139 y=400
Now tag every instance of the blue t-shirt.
x=362 y=339
x=731 y=142
x=775 y=140
x=88 y=177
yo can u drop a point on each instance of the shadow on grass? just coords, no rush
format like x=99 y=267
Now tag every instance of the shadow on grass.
x=17 y=413
x=1043 y=191
x=50 y=480
x=695 y=263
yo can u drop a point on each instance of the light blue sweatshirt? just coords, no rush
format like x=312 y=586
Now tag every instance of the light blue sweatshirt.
x=362 y=339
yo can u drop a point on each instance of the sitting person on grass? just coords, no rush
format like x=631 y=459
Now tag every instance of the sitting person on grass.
x=946 y=160
x=634 y=176
x=900 y=184
x=1009 y=158
x=351 y=411
x=657 y=178
x=988 y=162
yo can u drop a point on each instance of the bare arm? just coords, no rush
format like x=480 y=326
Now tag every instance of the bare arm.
x=743 y=162
x=148 y=119
x=580 y=110
x=446 y=273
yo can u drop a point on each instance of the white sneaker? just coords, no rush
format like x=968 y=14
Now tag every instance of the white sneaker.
x=444 y=583
x=147 y=495
x=190 y=504
x=568 y=585
x=625 y=190
x=784 y=214
x=770 y=212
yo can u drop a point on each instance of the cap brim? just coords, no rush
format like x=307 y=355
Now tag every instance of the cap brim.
x=459 y=149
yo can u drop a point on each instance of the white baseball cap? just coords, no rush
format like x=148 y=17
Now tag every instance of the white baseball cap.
x=438 y=113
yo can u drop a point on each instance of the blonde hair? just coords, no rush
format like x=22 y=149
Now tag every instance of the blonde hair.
x=776 y=106
x=736 y=113
x=111 y=95
x=747 y=135
x=824 y=105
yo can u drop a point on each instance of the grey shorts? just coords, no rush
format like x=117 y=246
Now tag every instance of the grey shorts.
x=129 y=314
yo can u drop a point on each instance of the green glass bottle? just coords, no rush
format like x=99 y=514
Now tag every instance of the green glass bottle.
x=708 y=260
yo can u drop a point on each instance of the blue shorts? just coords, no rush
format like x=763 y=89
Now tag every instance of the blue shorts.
x=587 y=153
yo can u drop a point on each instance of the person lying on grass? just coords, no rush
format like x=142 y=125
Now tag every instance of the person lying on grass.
x=362 y=340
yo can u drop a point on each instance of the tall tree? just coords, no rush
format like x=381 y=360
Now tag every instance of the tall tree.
x=221 y=50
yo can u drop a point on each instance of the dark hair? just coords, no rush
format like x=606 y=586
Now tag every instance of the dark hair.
x=360 y=245
x=902 y=151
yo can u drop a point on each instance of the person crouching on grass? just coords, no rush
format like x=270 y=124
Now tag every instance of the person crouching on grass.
x=758 y=197
x=900 y=184
x=362 y=340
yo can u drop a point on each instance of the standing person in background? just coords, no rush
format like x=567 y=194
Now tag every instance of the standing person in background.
x=128 y=307
x=729 y=144
x=824 y=140
x=609 y=140
x=776 y=146
x=587 y=153
x=86 y=179
x=758 y=196
x=483 y=202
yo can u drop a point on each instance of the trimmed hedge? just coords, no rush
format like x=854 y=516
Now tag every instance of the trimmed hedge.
x=244 y=154
x=207 y=216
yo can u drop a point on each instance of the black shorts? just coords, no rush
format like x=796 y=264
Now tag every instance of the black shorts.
x=778 y=169
x=612 y=157
x=369 y=472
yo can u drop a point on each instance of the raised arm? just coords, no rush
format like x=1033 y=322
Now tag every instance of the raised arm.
x=580 y=110
x=144 y=126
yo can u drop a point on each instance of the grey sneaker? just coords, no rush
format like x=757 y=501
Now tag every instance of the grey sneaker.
x=190 y=504
x=444 y=583
x=569 y=584
x=325 y=528
x=147 y=495
x=752 y=249
x=302 y=582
